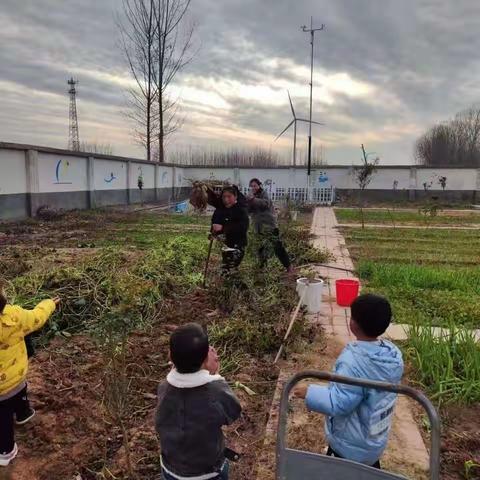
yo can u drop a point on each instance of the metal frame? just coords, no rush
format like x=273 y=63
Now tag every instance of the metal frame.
x=282 y=450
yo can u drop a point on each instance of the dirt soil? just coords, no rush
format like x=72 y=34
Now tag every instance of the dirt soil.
x=460 y=442
x=71 y=437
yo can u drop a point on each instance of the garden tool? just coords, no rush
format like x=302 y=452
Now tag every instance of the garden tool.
x=212 y=238
x=292 y=321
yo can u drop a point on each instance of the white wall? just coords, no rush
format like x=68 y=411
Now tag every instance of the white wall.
x=165 y=177
x=457 y=179
x=57 y=173
x=27 y=169
x=146 y=171
x=13 y=175
x=110 y=175
x=209 y=173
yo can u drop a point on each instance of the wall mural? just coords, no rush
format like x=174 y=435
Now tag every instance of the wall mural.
x=164 y=177
x=110 y=179
x=323 y=177
x=112 y=176
x=61 y=173
x=140 y=181
x=269 y=184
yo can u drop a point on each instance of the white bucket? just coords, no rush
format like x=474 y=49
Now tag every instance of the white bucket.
x=313 y=297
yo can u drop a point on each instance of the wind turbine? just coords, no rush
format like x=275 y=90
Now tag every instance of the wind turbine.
x=294 y=123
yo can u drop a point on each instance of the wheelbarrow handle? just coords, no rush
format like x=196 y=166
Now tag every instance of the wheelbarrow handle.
x=360 y=382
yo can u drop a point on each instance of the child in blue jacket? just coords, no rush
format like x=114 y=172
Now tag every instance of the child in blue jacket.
x=359 y=419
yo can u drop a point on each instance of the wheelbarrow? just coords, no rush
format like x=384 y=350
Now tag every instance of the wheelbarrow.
x=300 y=465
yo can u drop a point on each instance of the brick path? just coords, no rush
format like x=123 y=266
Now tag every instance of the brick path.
x=406 y=452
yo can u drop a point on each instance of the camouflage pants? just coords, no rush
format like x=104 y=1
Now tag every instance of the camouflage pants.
x=231 y=259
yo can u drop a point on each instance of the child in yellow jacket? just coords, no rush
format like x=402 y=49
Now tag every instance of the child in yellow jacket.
x=15 y=324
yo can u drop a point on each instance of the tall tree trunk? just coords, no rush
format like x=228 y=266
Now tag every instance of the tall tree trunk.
x=161 y=134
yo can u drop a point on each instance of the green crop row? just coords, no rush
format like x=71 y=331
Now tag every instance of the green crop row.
x=398 y=217
x=447 y=366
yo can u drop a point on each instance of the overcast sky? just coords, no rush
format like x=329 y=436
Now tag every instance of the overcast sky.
x=385 y=71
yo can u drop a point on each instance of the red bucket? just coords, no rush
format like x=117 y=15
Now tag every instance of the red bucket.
x=347 y=291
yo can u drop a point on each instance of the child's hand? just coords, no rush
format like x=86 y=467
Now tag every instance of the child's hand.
x=212 y=363
x=56 y=300
x=300 y=391
x=217 y=228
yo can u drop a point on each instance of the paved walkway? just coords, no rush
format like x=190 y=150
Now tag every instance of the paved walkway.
x=406 y=452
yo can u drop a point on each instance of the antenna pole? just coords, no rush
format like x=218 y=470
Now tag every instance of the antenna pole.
x=312 y=31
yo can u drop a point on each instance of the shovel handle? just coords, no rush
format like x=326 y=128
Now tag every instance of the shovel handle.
x=290 y=326
x=207 y=263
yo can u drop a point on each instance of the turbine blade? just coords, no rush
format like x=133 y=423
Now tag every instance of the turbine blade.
x=308 y=121
x=286 y=128
x=291 y=104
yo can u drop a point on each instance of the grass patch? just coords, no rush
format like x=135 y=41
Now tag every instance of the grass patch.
x=403 y=217
x=447 y=367
x=430 y=276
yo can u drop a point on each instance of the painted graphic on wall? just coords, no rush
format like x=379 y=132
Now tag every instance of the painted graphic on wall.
x=323 y=177
x=268 y=184
x=110 y=179
x=164 y=177
x=61 y=173
x=140 y=181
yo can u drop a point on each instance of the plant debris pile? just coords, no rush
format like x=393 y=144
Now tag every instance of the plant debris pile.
x=198 y=196
x=94 y=381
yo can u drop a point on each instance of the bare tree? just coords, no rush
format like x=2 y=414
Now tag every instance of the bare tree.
x=138 y=35
x=467 y=129
x=94 y=147
x=254 y=157
x=363 y=177
x=455 y=143
x=173 y=54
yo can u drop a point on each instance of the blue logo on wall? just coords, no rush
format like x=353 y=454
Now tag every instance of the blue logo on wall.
x=61 y=171
x=323 y=178
x=110 y=179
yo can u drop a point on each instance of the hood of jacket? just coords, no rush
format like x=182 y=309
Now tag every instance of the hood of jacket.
x=380 y=360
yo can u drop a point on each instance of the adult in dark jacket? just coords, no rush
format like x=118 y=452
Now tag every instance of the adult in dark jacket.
x=261 y=208
x=230 y=221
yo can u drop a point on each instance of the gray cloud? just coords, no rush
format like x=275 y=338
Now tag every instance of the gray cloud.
x=419 y=57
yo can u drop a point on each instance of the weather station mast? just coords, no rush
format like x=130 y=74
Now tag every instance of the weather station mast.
x=311 y=31
x=73 y=136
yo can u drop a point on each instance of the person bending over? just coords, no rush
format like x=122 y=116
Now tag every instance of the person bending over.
x=261 y=208
x=230 y=221
x=359 y=419
x=194 y=404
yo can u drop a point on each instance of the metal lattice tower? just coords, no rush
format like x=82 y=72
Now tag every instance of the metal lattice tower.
x=73 y=137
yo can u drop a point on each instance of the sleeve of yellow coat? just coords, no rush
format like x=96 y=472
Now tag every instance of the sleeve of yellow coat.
x=31 y=320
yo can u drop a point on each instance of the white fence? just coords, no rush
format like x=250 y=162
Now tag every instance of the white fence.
x=319 y=196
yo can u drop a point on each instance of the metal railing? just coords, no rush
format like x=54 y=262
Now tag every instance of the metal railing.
x=286 y=457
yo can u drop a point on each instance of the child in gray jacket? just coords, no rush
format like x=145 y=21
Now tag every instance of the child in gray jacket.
x=194 y=404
